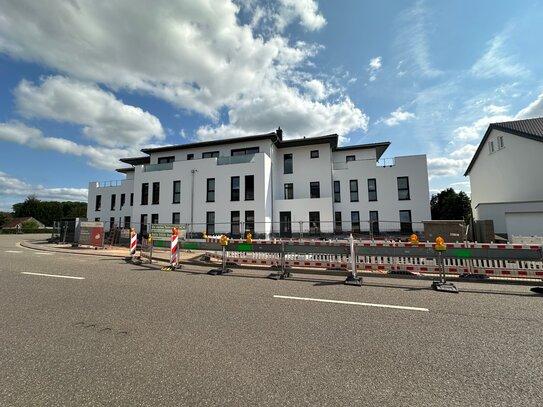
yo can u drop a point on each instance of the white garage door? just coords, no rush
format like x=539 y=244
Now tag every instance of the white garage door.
x=524 y=224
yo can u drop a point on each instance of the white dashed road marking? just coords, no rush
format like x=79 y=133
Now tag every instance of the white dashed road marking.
x=53 y=275
x=365 y=304
x=13 y=251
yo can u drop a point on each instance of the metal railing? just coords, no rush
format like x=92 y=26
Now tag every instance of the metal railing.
x=158 y=167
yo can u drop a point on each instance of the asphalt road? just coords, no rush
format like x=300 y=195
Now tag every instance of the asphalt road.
x=125 y=335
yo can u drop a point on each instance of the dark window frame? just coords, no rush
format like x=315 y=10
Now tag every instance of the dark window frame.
x=374 y=222
x=315 y=223
x=145 y=193
x=249 y=187
x=113 y=201
x=403 y=190
x=178 y=216
x=314 y=154
x=244 y=151
x=131 y=199
x=353 y=191
x=338 y=223
x=123 y=200
x=288 y=163
x=166 y=160
x=355 y=221
x=98 y=203
x=288 y=190
x=250 y=221
x=235 y=223
x=314 y=190
x=235 y=191
x=406 y=227
x=190 y=156
x=210 y=154
x=210 y=194
x=337 y=191
x=210 y=222
x=154 y=219
x=350 y=158
x=176 y=198
x=372 y=189
x=155 y=199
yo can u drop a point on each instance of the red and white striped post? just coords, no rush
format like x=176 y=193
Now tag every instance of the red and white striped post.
x=133 y=242
x=174 y=249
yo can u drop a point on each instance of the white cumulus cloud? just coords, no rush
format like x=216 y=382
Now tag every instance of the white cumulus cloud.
x=106 y=120
x=397 y=116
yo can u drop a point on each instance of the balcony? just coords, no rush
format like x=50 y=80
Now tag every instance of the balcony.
x=236 y=159
x=158 y=167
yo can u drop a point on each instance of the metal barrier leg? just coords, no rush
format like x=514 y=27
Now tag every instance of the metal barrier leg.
x=442 y=284
x=223 y=269
x=353 y=279
x=282 y=274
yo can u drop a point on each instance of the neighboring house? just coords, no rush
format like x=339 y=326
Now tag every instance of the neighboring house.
x=17 y=223
x=506 y=177
x=265 y=184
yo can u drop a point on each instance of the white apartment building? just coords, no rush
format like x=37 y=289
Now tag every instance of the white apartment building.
x=267 y=185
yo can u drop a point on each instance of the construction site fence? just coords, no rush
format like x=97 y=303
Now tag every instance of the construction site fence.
x=459 y=259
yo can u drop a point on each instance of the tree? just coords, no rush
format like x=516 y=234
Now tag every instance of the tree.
x=48 y=212
x=4 y=218
x=29 y=225
x=451 y=205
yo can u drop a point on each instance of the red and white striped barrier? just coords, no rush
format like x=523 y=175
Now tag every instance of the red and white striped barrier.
x=174 y=249
x=133 y=242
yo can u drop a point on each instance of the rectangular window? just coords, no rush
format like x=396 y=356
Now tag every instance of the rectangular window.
x=210 y=190
x=234 y=188
x=156 y=193
x=210 y=154
x=289 y=191
x=314 y=190
x=403 y=188
x=97 y=219
x=144 y=193
x=176 y=218
x=249 y=187
x=244 y=151
x=338 y=227
x=350 y=158
x=406 y=226
x=123 y=200
x=314 y=154
x=210 y=223
x=372 y=189
x=127 y=222
x=355 y=222
x=111 y=223
x=353 y=185
x=154 y=218
x=164 y=160
x=374 y=222
x=190 y=156
x=287 y=164
x=98 y=206
x=337 y=191
x=500 y=142
x=143 y=223
x=314 y=223
x=490 y=147
x=113 y=201
x=234 y=223
x=250 y=221
x=131 y=199
x=176 y=192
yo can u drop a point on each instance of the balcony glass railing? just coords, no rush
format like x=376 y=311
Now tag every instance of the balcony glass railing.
x=157 y=167
x=236 y=159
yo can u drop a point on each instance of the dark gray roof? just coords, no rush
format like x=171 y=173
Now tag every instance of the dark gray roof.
x=125 y=170
x=528 y=128
x=136 y=160
x=531 y=128
x=379 y=147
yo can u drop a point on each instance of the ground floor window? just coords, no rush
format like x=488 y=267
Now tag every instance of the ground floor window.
x=406 y=226
x=314 y=223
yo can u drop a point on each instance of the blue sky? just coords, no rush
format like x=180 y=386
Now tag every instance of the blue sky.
x=83 y=84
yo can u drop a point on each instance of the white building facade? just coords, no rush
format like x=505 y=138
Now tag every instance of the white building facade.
x=506 y=178
x=268 y=186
